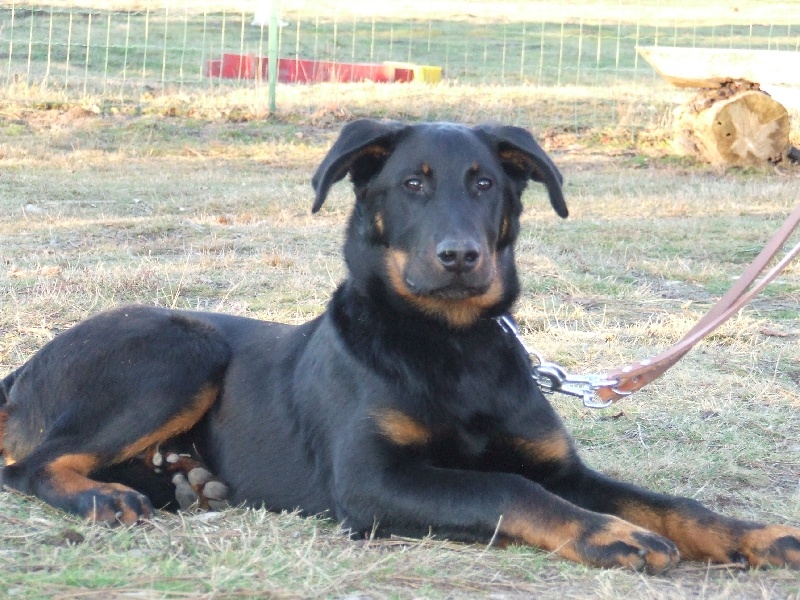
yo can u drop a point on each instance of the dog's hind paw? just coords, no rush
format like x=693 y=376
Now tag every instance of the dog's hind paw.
x=195 y=486
x=199 y=490
x=112 y=504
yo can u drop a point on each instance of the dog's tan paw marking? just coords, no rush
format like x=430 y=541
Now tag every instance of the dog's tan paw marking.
x=621 y=544
x=772 y=545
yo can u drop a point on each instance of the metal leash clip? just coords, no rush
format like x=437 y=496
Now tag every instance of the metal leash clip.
x=552 y=377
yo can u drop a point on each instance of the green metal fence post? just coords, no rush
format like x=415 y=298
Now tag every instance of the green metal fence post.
x=272 y=54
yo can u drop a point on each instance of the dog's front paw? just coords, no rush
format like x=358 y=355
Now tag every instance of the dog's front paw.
x=770 y=545
x=618 y=543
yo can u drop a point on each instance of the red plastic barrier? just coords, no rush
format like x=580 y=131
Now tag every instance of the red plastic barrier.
x=291 y=70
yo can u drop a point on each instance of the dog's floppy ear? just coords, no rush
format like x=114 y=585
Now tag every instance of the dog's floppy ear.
x=361 y=149
x=522 y=156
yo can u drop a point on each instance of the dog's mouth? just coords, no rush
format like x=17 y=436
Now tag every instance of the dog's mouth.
x=452 y=291
x=457 y=298
x=422 y=278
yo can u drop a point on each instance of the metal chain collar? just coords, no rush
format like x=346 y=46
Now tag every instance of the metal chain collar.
x=552 y=377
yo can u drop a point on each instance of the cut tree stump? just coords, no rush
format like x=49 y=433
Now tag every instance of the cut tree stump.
x=736 y=124
x=732 y=121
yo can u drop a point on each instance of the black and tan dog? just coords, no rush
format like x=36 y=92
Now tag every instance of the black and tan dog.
x=404 y=407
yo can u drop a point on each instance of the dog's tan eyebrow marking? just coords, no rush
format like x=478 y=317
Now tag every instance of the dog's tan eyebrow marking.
x=426 y=169
x=474 y=168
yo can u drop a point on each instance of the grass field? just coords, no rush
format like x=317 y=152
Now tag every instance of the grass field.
x=129 y=48
x=127 y=176
x=194 y=204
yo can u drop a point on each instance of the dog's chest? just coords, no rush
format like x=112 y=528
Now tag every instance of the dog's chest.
x=469 y=440
x=470 y=414
x=465 y=403
x=458 y=445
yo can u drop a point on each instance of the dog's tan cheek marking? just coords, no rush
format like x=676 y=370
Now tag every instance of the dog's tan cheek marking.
x=182 y=422
x=402 y=429
x=379 y=224
x=396 y=262
x=504 y=227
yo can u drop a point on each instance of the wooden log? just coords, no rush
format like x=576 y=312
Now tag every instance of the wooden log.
x=735 y=125
x=714 y=67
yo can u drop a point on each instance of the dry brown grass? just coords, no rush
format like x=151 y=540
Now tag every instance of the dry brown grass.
x=198 y=211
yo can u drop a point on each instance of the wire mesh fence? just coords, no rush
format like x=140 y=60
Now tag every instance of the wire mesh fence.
x=126 y=49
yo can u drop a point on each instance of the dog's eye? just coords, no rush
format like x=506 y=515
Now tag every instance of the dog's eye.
x=413 y=184
x=484 y=184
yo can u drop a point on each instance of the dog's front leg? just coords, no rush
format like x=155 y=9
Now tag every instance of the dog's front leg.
x=389 y=485
x=700 y=533
x=538 y=447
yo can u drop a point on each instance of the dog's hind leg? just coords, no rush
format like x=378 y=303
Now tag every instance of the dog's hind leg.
x=101 y=394
x=59 y=470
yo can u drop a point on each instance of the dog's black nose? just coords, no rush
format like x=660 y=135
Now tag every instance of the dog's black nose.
x=459 y=256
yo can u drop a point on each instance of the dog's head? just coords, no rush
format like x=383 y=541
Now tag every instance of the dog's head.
x=437 y=211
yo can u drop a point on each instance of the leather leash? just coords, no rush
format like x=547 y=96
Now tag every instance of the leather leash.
x=626 y=380
x=634 y=377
